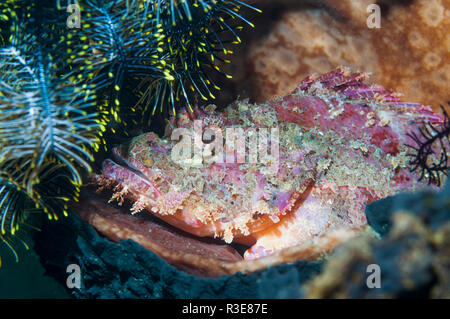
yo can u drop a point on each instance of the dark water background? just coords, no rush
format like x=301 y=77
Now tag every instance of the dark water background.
x=26 y=279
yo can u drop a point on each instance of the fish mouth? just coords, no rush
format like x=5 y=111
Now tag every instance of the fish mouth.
x=189 y=249
x=187 y=246
x=200 y=256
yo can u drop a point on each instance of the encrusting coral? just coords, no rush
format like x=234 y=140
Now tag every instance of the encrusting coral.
x=126 y=269
x=410 y=53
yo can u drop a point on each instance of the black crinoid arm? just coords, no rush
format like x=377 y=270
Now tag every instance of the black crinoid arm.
x=153 y=56
x=195 y=38
x=49 y=124
x=431 y=151
x=115 y=47
x=7 y=8
x=61 y=85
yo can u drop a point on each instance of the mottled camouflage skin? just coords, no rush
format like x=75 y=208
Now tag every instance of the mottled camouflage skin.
x=341 y=145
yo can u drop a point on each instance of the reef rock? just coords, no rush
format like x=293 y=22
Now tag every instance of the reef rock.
x=413 y=254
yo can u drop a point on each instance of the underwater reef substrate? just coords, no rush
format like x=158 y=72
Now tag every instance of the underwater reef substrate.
x=127 y=270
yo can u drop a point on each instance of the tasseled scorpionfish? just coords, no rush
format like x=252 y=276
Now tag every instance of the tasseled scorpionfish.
x=273 y=175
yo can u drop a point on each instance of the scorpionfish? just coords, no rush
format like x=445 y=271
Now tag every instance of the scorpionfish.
x=277 y=174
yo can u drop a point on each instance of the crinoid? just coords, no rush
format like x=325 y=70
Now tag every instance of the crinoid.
x=49 y=124
x=60 y=86
x=7 y=11
x=196 y=36
x=53 y=188
x=432 y=149
x=114 y=47
x=163 y=52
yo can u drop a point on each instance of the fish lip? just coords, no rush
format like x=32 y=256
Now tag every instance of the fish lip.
x=104 y=217
x=117 y=159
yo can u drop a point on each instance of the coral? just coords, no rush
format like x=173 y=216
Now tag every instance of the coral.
x=50 y=123
x=410 y=53
x=413 y=253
